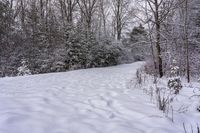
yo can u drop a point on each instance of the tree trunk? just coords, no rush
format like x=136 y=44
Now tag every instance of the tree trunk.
x=118 y=20
x=186 y=41
x=70 y=15
x=157 y=21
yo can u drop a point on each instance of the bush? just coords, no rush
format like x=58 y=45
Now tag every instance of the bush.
x=84 y=51
x=23 y=70
x=103 y=56
x=78 y=49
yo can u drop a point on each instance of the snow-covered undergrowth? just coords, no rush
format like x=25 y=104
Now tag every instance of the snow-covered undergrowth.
x=182 y=108
x=100 y=100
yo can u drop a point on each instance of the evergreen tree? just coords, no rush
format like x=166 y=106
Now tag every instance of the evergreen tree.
x=138 y=43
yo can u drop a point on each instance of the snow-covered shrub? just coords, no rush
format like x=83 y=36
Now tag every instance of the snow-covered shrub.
x=84 y=51
x=174 y=81
x=78 y=47
x=58 y=66
x=138 y=57
x=157 y=89
x=165 y=93
x=164 y=97
x=139 y=76
x=23 y=69
x=105 y=55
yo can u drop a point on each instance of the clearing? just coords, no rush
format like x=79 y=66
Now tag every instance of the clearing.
x=98 y=100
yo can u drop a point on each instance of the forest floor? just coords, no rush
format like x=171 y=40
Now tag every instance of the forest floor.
x=98 y=100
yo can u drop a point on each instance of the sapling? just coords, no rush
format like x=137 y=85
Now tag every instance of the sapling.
x=174 y=81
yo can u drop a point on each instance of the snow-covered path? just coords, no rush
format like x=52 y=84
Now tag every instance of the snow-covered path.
x=83 y=101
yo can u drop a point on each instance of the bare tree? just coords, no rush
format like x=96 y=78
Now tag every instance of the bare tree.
x=67 y=8
x=160 y=10
x=102 y=17
x=122 y=14
x=88 y=8
x=103 y=14
x=22 y=14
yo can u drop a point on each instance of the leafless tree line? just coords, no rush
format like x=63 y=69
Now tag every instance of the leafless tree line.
x=171 y=25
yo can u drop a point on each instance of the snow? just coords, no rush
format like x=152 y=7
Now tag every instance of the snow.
x=98 y=100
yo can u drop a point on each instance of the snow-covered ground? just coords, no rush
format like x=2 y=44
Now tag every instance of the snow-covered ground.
x=98 y=100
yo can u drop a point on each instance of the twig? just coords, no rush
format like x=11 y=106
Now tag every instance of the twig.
x=184 y=127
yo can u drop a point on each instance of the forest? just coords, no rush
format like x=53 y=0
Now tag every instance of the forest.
x=58 y=35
